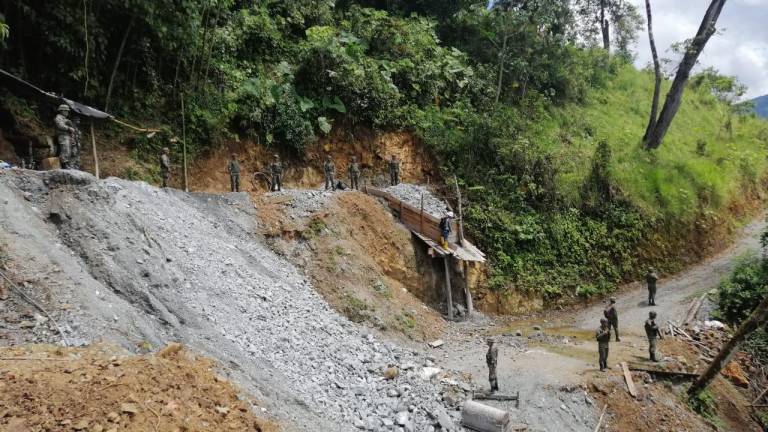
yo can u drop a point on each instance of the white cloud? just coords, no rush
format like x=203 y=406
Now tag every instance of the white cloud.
x=740 y=48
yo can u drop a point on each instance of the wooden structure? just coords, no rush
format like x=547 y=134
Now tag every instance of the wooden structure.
x=426 y=228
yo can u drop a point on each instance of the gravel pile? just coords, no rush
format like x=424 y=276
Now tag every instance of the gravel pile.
x=411 y=194
x=186 y=267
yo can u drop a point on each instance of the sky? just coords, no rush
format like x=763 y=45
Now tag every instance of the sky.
x=740 y=48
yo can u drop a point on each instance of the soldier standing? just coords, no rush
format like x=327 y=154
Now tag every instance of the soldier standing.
x=653 y=333
x=354 y=174
x=233 y=168
x=612 y=315
x=165 y=166
x=329 y=169
x=276 y=169
x=65 y=130
x=394 y=171
x=492 y=359
x=650 y=278
x=445 y=229
x=603 y=336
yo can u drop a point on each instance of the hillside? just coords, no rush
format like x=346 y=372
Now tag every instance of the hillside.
x=429 y=81
x=761 y=106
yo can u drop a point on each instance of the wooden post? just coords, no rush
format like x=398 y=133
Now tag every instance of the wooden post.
x=461 y=216
x=467 y=291
x=421 y=216
x=448 y=295
x=184 y=143
x=754 y=321
x=95 y=154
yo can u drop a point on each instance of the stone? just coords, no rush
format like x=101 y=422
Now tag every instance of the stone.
x=393 y=393
x=436 y=343
x=428 y=372
x=401 y=418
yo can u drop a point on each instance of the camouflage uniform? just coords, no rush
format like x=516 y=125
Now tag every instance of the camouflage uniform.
x=165 y=167
x=651 y=279
x=354 y=174
x=329 y=169
x=603 y=337
x=653 y=333
x=276 y=169
x=492 y=359
x=64 y=132
x=233 y=168
x=394 y=171
x=612 y=315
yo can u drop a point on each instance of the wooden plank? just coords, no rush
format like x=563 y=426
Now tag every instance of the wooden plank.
x=628 y=379
x=660 y=371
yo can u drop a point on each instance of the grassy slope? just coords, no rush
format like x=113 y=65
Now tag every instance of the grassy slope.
x=673 y=181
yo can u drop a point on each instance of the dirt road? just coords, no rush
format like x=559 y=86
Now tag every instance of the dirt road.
x=549 y=366
x=674 y=292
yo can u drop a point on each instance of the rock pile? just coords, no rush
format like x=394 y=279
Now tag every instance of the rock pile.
x=187 y=267
x=411 y=194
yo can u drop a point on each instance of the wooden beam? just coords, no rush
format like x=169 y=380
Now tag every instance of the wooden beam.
x=448 y=295
x=95 y=154
x=628 y=379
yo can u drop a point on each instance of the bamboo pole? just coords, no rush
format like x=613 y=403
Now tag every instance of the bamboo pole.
x=448 y=295
x=184 y=143
x=95 y=154
x=461 y=216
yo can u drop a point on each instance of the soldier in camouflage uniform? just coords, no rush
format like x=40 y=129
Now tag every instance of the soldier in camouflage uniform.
x=653 y=333
x=233 y=168
x=276 y=169
x=65 y=130
x=650 y=278
x=165 y=166
x=354 y=174
x=603 y=337
x=394 y=171
x=329 y=169
x=492 y=359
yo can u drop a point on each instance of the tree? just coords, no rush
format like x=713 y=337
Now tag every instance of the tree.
x=597 y=18
x=675 y=96
x=657 y=75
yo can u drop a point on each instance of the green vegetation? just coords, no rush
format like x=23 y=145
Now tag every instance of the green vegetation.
x=740 y=294
x=514 y=100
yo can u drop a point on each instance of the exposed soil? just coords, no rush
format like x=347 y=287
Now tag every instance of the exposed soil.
x=104 y=388
x=358 y=257
x=208 y=173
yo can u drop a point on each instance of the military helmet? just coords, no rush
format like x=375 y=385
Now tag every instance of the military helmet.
x=613 y=299
x=652 y=314
x=603 y=321
x=489 y=341
x=166 y=150
x=63 y=107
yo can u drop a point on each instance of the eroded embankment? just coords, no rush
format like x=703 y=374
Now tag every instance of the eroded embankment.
x=135 y=264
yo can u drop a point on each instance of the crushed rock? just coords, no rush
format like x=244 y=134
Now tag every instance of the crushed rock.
x=160 y=265
x=411 y=194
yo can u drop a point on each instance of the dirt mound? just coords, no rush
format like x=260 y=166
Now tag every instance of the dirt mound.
x=102 y=388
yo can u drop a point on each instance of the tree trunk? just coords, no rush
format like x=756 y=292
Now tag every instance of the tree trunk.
x=117 y=63
x=604 y=26
x=657 y=72
x=675 y=96
x=502 y=55
x=758 y=317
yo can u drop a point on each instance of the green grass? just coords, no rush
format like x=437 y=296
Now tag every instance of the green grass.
x=673 y=181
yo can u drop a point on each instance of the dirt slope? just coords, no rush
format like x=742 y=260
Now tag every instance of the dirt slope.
x=103 y=388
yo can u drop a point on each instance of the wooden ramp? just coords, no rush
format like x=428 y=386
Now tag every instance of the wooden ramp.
x=427 y=228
